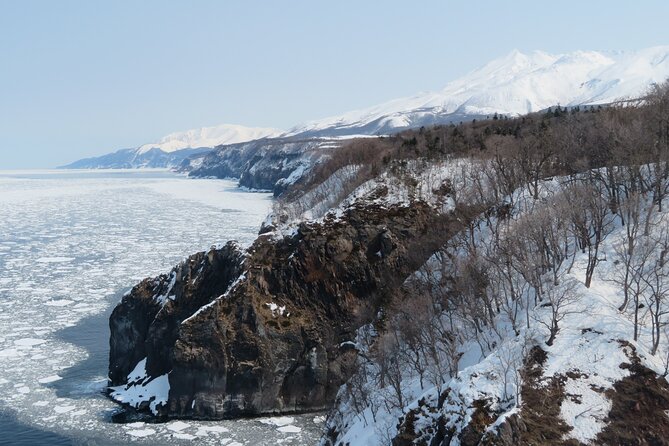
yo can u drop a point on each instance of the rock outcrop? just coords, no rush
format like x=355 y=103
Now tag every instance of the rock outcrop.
x=267 y=332
x=269 y=164
x=144 y=324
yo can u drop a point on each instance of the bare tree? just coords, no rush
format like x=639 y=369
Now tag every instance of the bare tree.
x=386 y=354
x=657 y=119
x=560 y=301
x=591 y=221
x=625 y=251
x=534 y=157
x=657 y=282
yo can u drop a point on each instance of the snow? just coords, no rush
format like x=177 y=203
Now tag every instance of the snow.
x=143 y=388
x=276 y=309
x=208 y=137
x=516 y=84
x=587 y=354
x=334 y=196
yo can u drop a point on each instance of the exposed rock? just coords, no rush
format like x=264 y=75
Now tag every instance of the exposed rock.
x=640 y=407
x=270 y=342
x=268 y=164
x=145 y=322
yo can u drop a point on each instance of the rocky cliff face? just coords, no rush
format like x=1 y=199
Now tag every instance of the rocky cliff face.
x=266 y=332
x=270 y=164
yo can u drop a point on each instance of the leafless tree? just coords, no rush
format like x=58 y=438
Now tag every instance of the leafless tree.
x=386 y=354
x=534 y=156
x=657 y=285
x=657 y=119
x=591 y=221
x=561 y=301
x=631 y=210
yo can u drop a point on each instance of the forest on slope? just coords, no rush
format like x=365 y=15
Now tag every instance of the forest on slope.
x=544 y=321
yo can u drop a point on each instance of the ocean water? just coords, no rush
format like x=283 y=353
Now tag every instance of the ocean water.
x=71 y=243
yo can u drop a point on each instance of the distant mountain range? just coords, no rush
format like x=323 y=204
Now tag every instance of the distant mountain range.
x=171 y=150
x=513 y=85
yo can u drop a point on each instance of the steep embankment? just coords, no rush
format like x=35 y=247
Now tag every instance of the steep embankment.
x=527 y=349
x=196 y=344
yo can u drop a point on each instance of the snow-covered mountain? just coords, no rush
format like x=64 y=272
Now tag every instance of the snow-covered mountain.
x=171 y=150
x=512 y=85
x=209 y=137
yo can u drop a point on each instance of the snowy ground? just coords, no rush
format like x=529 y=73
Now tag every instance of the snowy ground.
x=593 y=340
x=70 y=243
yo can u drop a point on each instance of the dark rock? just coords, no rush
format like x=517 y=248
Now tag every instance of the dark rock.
x=271 y=344
x=265 y=164
x=145 y=322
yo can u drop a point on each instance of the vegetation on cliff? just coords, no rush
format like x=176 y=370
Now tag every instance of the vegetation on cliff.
x=495 y=282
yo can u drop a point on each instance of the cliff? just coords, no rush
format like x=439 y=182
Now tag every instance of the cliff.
x=268 y=331
x=269 y=164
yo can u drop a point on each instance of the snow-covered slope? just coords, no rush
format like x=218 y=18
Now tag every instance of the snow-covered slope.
x=208 y=137
x=510 y=373
x=512 y=85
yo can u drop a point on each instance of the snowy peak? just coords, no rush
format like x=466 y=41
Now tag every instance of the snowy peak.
x=208 y=137
x=515 y=84
x=171 y=150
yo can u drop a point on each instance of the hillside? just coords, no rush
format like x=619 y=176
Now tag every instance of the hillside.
x=500 y=282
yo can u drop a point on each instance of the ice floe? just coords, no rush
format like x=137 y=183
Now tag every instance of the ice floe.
x=73 y=246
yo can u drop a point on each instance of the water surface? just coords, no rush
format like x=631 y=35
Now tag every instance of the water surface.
x=71 y=243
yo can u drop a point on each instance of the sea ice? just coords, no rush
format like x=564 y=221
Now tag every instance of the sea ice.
x=71 y=246
x=54 y=259
x=290 y=429
x=277 y=421
x=177 y=426
x=49 y=379
x=29 y=342
x=141 y=433
x=64 y=409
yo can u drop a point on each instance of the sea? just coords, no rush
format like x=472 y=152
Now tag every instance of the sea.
x=71 y=243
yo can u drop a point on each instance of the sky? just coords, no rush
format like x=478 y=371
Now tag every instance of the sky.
x=84 y=78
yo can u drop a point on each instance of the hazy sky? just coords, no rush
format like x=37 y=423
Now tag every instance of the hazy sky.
x=83 y=78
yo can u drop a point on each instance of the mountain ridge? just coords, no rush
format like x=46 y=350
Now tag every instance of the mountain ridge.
x=515 y=84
